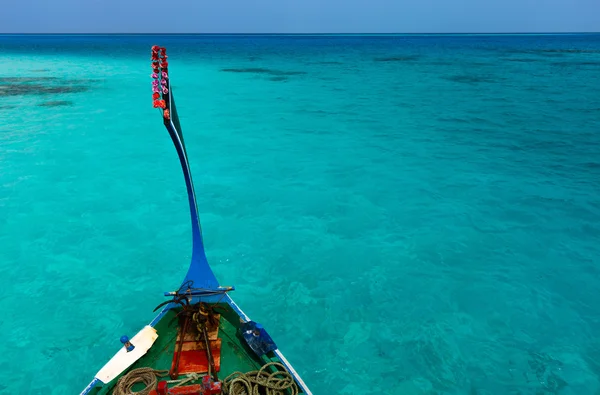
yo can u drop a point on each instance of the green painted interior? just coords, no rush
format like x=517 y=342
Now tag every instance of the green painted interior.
x=236 y=356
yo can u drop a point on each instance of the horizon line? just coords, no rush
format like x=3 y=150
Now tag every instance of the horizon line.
x=294 y=34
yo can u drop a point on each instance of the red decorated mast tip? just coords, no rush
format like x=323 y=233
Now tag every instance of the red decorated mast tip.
x=160 y=77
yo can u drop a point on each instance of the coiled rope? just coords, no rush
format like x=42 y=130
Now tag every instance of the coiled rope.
x=148 y=376
x=251 y=383
x=237 y=383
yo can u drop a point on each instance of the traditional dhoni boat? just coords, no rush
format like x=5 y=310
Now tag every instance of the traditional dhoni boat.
x=200 y=341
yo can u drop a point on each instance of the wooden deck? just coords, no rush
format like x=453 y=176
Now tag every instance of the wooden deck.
x=230 y=352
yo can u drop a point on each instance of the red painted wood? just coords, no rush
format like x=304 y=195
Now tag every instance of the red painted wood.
x=196 y=361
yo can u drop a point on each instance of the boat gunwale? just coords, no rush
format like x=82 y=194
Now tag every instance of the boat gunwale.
x=228 y=300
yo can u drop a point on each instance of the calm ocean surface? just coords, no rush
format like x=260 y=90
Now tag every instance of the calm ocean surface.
x=405 y=214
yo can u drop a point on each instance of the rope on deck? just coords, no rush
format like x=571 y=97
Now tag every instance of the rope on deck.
x=251 y=383
x=147 y=376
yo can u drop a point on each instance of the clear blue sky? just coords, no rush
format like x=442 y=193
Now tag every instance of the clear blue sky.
x=298 y=16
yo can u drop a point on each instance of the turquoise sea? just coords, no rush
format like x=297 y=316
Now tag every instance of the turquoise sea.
x=413 y=214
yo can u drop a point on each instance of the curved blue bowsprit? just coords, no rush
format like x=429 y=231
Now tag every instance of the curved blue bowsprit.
x=199 y=272
x=199 y=277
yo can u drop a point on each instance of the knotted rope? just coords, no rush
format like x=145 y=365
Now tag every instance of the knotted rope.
x=251 y=383
x=147 y=376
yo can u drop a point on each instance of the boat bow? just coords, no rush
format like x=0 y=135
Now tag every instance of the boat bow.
x=199 y=285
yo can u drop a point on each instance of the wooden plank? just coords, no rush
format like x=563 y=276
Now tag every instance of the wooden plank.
x=191 y=346
x=123 y=359
x=188 y=389
x=193 y=357
x=192 y=332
